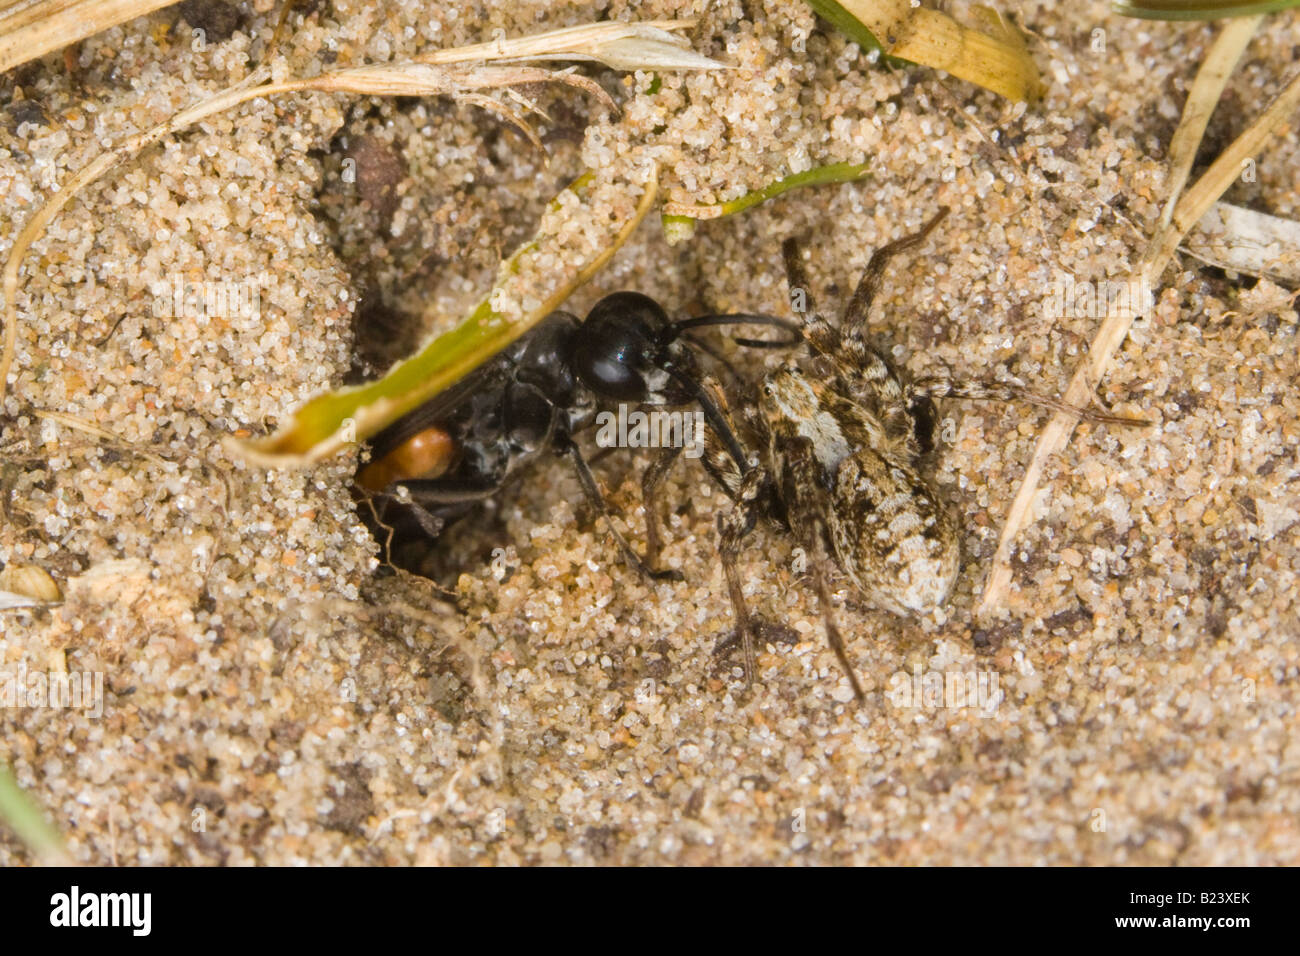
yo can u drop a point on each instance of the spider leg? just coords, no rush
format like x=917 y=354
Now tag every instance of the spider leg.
x=806 y=505
x=733 y=527
x=942 y=386
x=749 y=488
x=819 y=567
x=820 y=334
x=801 y=293
x=855 y=316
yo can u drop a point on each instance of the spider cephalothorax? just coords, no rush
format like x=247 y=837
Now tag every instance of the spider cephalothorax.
x=841 y=474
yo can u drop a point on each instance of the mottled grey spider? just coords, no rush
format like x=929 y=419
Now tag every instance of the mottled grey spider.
x=844 y=440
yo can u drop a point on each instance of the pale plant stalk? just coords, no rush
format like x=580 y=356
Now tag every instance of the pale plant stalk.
x=1201 y=100
x=29 y=30
x=1186 y=212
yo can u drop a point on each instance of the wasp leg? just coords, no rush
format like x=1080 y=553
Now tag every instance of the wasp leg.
x=650 y=481
x=377 y=513
x=433 y=503
x=407 y=517
x=802 y=491
x=439 y=492
x=855 y=316
x=565 y=445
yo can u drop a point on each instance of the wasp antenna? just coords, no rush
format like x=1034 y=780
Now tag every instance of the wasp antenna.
x=675 y=330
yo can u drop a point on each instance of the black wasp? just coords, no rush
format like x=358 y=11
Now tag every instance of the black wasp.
x=443 y=460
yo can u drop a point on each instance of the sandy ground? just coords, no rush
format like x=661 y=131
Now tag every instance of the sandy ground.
x=269 y=696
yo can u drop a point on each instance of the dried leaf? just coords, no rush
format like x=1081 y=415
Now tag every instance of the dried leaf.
x=1248 y=241
x=26 y=585
x=623 y=46
x=996 y=60
x=29 y=30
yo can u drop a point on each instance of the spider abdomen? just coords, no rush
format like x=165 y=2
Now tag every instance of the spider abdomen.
x=891 y=534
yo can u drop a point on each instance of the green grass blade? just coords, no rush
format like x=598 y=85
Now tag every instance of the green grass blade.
x=19 y=812
x=994 y=56
x=1198 y=9
x=340 y=418
x=679 y=219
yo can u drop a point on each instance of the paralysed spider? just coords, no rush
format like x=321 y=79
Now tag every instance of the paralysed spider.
x=843 y=440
